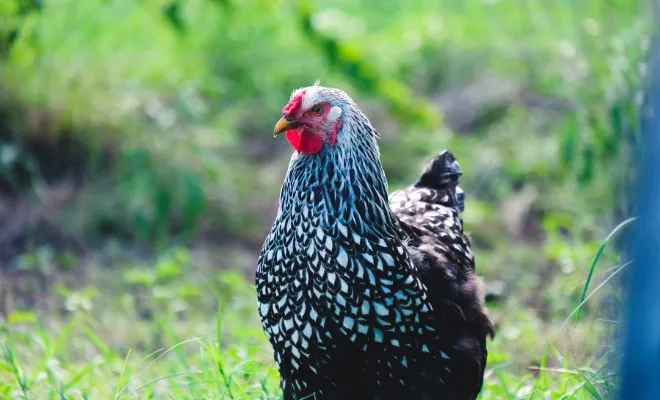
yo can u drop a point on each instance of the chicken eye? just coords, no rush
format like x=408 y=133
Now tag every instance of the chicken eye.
x=317 y=109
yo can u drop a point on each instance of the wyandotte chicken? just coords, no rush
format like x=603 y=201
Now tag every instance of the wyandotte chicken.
x=361 y=296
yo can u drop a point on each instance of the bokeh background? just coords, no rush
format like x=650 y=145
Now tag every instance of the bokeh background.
x=139 y=177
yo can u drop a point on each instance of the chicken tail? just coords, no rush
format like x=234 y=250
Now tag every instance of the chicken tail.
x=441 y=173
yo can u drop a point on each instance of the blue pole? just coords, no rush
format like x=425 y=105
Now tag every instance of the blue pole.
x=641 y=359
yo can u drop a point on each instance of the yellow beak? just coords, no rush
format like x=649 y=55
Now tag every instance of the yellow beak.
x=281 y=126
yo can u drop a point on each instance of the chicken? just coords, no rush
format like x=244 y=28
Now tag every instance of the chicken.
x=360 y=295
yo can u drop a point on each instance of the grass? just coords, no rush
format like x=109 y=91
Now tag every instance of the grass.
x=156 y=116
x=112 y=354
x=168 y=345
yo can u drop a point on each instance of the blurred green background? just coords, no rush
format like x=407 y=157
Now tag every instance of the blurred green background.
x=139 y=177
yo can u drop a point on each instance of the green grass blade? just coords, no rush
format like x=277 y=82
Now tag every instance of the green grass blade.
x=599 y=253
x=577 y=309
x=156 y=359
x=151 y=382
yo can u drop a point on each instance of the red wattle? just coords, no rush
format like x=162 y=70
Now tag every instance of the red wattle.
x=303 y=142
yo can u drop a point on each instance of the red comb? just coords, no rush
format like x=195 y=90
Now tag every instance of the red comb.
x=295 y=103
